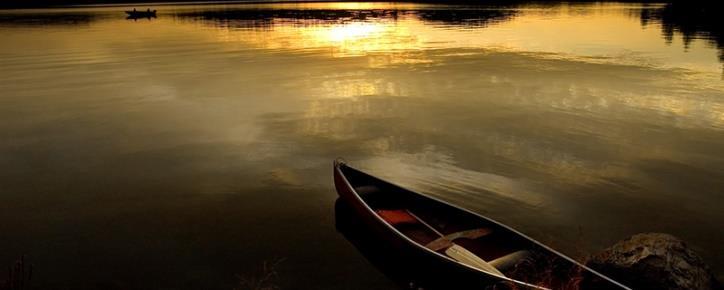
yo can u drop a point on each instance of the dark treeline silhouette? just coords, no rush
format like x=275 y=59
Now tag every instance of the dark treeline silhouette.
x=303 y=14
x=45 y=19
x=692 y=19
x=52 y=3
x=259 y=18
x=264 y=18
x=468 y=17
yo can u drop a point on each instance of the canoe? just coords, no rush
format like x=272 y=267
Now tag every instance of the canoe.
x=451 y=247
x=141 y=13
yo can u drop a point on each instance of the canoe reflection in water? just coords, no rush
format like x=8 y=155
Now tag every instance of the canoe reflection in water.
x=421 y=242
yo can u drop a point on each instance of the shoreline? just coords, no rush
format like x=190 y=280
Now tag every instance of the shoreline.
x=84 y=3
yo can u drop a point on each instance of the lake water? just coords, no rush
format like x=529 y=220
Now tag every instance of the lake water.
x=189 y=150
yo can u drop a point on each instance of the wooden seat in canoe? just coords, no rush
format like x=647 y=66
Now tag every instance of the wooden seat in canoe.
x=447 y=241
x=366 y=189
x=510 y=260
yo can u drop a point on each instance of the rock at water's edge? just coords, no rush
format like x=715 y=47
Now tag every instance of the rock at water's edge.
x=655 y=261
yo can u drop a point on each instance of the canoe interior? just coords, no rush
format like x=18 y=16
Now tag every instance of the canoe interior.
x=514 y=255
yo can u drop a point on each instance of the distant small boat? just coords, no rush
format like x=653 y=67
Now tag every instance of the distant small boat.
x=454 y=247
x=148 y=13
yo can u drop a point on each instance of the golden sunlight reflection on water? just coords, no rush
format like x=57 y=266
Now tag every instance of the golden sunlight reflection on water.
x=593 y=33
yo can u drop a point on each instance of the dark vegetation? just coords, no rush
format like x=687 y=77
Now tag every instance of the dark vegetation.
x=33 y=19
x=692 y=19
x=18 y=276
x=264 y=279
x=49 y=3
x=261 y=18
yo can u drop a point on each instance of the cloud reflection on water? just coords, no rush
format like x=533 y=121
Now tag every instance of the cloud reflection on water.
x=527 y=135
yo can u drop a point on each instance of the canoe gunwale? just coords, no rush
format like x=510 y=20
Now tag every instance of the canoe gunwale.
x=338 y=163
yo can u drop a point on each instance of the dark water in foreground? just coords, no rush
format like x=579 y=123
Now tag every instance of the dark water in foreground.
x=186 y=151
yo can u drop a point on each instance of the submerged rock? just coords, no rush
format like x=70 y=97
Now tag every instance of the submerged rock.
x=655 y=261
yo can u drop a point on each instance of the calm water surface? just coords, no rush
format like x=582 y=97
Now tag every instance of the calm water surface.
x=186 y=151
